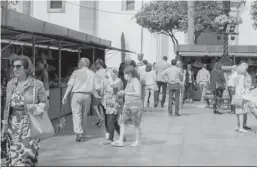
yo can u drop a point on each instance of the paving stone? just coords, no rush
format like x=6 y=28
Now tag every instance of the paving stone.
x=196 y=138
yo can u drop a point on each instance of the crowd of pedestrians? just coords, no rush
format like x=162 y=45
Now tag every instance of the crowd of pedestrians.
x=118 y=97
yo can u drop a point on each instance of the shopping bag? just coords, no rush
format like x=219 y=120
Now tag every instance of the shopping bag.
x=237 y=101
x=41 y=126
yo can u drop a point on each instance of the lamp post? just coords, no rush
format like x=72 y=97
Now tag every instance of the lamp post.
x=228 y=29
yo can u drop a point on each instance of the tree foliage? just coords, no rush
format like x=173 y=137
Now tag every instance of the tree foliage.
x=254 y=14
x=169 y=17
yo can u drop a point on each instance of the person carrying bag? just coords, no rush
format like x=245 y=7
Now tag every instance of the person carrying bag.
x=19 y=111
x=40 y=124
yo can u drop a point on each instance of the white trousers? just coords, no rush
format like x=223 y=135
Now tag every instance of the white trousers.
x=80 y=106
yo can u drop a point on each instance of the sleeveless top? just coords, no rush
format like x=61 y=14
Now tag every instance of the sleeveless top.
x=132 y=101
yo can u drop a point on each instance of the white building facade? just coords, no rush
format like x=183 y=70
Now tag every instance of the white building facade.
x=105 y=19
x=112 y=25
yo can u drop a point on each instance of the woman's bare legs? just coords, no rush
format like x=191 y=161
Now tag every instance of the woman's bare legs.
x=238 y=123
x=138 y=132
x=95 y=108
x=119 y=142
x=254 y=112
x=241 y=121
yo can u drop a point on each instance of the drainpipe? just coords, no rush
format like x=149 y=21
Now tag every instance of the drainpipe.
x=142 y=35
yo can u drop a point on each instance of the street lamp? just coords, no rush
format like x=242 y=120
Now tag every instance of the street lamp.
x=226 y=29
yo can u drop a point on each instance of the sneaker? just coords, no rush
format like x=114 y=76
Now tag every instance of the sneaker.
x=247 y=128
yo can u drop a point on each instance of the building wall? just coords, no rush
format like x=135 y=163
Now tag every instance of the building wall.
x=69 y=19
x=88 y=17
x=111 y=26
x=247 y=35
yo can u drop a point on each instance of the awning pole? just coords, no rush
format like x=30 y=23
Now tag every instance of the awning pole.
x=78 y=53
x=60 y=74
x=93 y=55
x=34 y=51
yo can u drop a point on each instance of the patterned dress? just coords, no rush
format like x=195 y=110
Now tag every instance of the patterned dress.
x=114 y=101
x=133 y=107
x=23 y=148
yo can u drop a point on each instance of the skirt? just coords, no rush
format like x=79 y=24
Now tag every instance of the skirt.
x=132 y=113
x=23 y=149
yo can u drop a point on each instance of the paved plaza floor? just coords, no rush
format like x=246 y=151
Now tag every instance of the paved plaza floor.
x=196 y=138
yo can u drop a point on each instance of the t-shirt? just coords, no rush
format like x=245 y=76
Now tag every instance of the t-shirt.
x=149 y=78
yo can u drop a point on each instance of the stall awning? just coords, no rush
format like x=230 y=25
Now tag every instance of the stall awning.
x=21 y=28
x=216 y=50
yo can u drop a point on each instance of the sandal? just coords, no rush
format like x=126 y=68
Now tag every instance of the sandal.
x=135 y=144
x=107 y=142
x=100 y=122
x=242 y=131
x=117 y=144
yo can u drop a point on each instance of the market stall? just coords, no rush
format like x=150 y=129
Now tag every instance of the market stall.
x=209 y=54
x=60 y=46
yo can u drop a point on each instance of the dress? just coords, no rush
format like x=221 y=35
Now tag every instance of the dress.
x=133 y=107
x=23 y=149
x=240 y=90
x=114 y=102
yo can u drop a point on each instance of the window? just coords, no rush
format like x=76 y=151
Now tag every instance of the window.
x=128 y=5
x=56 y=6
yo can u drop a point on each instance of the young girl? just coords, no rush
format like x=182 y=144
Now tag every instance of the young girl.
x=149 y=79
x=113 y=104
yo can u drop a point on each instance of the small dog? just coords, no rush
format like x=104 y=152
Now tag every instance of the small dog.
x=60 y=127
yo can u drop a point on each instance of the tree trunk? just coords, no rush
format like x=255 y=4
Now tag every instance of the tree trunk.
x=175 y=42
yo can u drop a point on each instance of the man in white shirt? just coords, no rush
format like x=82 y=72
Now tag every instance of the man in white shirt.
x=140 y=58
x=203 y=79
x=81 y=84
x=173 y=76
x=161 y=66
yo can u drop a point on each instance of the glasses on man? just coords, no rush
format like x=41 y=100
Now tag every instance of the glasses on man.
x=16 y=66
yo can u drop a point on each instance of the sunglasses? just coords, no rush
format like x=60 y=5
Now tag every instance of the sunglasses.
x=16 y=66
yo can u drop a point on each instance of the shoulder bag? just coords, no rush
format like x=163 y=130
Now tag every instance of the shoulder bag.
x=41 y=126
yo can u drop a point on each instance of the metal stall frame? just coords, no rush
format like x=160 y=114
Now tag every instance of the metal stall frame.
x=20 y=29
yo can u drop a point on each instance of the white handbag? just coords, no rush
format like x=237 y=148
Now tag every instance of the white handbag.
x=40 y=125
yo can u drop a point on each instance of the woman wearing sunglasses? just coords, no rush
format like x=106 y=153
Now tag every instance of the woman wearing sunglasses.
x=19 y=103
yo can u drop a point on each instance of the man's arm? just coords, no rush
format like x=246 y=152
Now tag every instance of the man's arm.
x=208 y=76
x=184 y=76
x=198 y=76
x=69 y=88
x=164 y=75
